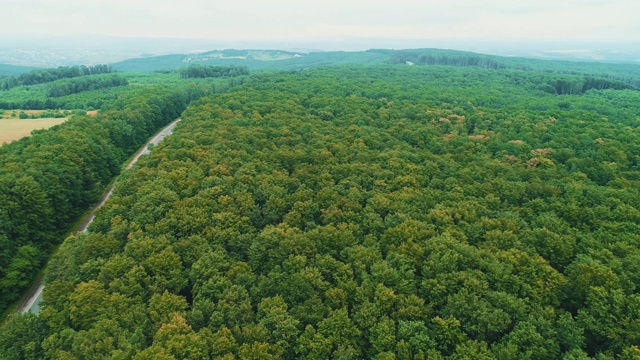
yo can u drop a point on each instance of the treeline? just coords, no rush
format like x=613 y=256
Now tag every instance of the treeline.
x=563 y=84
x=74 y=86
x=42 y=76
x=45 y=114
x=38 y=97
x=83 y=102
x=363 y=212
x=579 y=85
x=592 y=75
x=205 y=71
x=460 y=59
x=49 y=179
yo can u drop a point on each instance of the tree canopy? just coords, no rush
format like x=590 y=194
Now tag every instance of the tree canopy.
x=49 y=179
x=358 y=212
x=202 y=71
x=382 y=212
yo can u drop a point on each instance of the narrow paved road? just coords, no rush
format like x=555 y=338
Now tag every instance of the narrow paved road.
x=168 y=130
x=31 y=301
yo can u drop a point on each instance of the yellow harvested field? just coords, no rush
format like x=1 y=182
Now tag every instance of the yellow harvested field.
x=14 y=129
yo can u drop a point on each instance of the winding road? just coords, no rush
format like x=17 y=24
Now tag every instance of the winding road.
x=32 y=298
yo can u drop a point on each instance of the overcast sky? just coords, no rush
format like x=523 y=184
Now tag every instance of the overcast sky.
x=301 y=19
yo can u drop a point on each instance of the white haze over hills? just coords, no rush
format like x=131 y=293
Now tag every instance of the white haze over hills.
x=63 y=50
x=606 y=30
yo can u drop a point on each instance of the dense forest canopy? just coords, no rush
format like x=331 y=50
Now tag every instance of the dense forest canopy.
x=202 y=71
x=384 y=212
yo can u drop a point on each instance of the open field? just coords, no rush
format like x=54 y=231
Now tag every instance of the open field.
x=14 y=129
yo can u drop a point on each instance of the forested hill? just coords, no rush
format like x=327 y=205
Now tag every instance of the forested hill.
x=617 y=75
x=253 y=59
x=364 y=212
x=11 y=70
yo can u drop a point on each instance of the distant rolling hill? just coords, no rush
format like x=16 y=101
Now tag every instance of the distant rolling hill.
x=628 y=73
x=253 y=59
x=11 y=70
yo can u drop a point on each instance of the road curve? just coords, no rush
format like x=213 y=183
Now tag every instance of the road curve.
x=35 y=292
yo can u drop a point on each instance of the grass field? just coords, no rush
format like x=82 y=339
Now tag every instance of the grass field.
x=14 y=129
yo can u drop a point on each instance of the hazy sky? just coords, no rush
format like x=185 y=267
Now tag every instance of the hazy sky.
x=301 y=19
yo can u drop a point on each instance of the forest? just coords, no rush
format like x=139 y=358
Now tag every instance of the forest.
x=41 y=76
x=626 y=73
x=49 y=179
x=93 y=91
x=201 y=71
x=75 y=86
x=351 y=212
